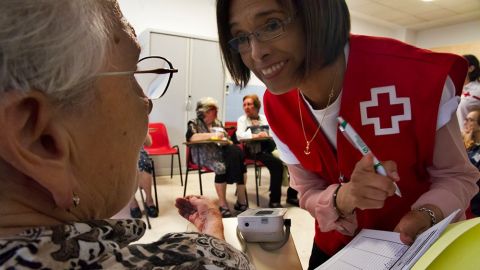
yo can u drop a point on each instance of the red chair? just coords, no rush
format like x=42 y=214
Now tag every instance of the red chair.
x=230 y=127
x=161 y=146
x=257 y=164
x=194 y=167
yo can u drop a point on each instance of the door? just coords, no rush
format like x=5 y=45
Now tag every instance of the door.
x=200 y=74
x=170 y=109
x=207 y=74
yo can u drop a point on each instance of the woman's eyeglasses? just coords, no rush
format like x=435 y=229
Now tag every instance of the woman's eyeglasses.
x=153 y=74
x=266 y=32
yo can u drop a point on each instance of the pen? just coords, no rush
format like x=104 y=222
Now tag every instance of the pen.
x=358 y=143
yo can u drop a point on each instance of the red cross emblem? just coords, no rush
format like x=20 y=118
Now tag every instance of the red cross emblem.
x=393 y=110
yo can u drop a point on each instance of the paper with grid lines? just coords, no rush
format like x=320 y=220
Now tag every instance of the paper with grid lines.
x=380 y=250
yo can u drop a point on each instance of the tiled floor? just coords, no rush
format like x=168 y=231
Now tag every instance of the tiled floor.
x=169 y=221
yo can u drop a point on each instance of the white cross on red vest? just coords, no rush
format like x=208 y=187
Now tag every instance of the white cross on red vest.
x=385 y=110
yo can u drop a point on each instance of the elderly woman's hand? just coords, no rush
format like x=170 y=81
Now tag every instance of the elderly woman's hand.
x=262 y=134
x=203 y=213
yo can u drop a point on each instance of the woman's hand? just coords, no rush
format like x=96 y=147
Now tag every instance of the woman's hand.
x=367 y=189
x=261 y=134
x=203 y=213
x=415 y=222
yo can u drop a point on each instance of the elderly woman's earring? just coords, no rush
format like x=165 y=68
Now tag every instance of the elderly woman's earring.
x=75 y=199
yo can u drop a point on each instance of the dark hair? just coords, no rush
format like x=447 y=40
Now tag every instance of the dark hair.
x=256 y=101
x=326 y=24
x=473 y=61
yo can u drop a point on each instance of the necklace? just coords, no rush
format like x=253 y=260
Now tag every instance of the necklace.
x=330 y=96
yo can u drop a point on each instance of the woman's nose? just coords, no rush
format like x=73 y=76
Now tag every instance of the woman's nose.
x=259 y=49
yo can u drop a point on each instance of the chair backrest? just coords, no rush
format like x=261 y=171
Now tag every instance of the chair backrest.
x=159 y=134
x=230 y=124
x=231 y=128
x=191 y=165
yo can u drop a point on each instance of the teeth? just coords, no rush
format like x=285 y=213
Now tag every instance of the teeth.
x=271 y=69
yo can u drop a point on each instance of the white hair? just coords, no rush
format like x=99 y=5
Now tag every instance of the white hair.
x=204 y=104
x=54 y=46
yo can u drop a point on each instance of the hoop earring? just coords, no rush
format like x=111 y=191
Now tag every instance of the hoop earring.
x=75 y=199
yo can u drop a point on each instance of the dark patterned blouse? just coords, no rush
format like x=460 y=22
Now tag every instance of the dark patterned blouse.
x=104 y=244
x=211 y=155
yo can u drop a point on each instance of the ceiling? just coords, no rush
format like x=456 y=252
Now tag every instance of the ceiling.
x=416 y=14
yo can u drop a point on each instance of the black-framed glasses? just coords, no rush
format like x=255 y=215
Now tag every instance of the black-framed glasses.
x=266 y=32
x=153 y=74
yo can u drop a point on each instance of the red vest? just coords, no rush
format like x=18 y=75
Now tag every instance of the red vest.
x=391 y=95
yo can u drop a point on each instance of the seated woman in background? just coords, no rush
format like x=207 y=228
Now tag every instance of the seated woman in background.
x=471 y=136
x=145 y=182
x=255 y=125
x=470 y=99
x=471 y=139
x=226 y=161
x=73 y=120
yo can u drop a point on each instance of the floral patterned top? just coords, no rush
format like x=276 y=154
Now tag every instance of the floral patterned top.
x=104 y=244
x=144 y=163
x=211 y=155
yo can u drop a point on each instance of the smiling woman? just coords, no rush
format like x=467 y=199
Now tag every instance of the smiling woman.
x=316 y=71
x=68 y=150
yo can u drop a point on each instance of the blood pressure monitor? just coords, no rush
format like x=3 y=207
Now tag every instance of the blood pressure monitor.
x=262 y=224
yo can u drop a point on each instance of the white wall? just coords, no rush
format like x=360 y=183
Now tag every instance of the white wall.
x=188 y=17
x=197 y=18
x=364 y=26
x=449 y=35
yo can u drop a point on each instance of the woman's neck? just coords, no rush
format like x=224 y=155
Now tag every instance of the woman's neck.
x=24 y=206
x=317 y=87
x=206 y=124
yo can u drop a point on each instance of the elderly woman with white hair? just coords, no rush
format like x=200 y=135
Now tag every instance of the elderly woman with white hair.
x=226 y=161
x=73 y=119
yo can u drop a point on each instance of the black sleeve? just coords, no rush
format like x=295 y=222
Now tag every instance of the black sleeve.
x=191 y=129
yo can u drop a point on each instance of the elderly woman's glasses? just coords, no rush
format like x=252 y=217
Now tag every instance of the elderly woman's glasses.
x=153 y=74
x=268 y=31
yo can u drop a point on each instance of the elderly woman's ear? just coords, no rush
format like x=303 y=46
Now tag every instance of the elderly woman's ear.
x=31 y=142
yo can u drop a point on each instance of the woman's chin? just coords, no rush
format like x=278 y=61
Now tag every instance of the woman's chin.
x=278 y=90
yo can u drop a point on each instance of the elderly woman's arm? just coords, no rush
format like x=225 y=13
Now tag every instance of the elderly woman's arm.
x=205 y=136
x=203 y=213
x=193 y=135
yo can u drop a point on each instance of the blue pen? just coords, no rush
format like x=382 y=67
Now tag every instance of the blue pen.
x=358 y=143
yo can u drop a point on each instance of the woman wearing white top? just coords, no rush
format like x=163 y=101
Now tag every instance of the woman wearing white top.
x=255 y=125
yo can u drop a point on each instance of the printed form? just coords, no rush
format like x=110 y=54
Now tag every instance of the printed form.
x=380 y=250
